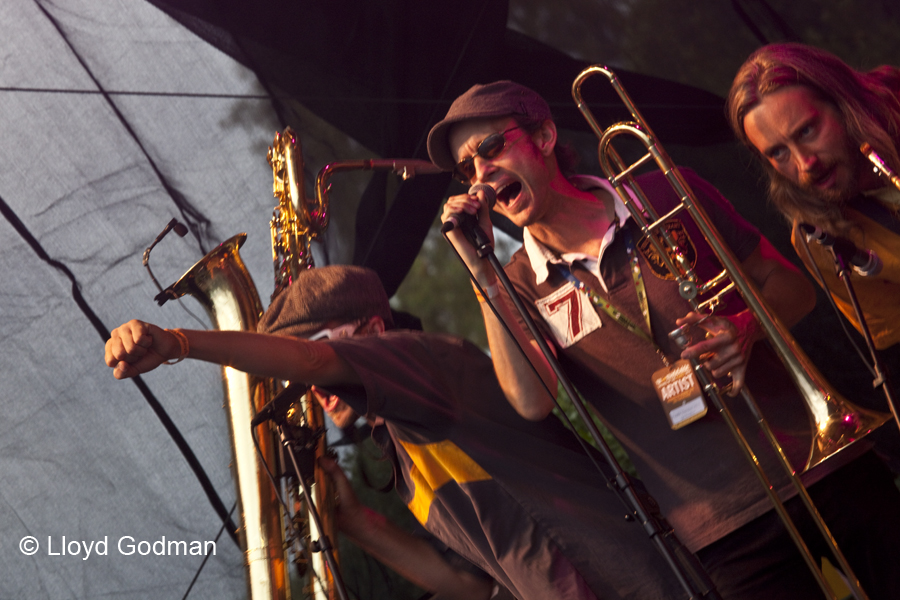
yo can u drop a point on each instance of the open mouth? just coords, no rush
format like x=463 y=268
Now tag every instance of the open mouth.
x=822 y=179
x=508 y=192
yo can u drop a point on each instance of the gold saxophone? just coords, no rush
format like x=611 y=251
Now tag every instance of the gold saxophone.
x=295 y=223
x=223 y=286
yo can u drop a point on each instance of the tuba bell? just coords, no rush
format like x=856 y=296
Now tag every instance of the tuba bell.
x=275 y=536
x=838 y=423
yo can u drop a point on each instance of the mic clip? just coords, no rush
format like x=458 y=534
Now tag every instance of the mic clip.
x=280 y=404
x=164 y=296
x=865 y=262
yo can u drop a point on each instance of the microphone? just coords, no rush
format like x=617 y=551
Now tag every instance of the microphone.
x=180 y=229
x=469 y=223
x=279 y=404
x=490 y=195
x=865 y=262
x=456 y=220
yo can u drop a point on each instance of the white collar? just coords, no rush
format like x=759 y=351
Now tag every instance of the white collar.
x=539 y=255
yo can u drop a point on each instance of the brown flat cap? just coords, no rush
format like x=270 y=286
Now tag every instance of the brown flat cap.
x=497 y=99
x=336 y=293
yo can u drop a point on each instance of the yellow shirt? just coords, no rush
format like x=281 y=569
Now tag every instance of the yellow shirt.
x=878 y=295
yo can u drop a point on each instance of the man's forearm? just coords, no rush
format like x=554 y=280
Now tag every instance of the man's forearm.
x=526 y=378
x=270 y=356
x=787 y=291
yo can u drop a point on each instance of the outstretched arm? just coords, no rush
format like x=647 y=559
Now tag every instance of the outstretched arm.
x=138 y=347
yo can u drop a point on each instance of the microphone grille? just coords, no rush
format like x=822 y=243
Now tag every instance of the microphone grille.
x=489 y=194
x=180 y=229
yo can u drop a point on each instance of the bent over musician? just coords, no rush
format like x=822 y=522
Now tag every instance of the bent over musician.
x=518 y=499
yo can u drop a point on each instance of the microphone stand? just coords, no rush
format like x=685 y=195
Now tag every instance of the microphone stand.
x=686 y=567
x=323 y=544
x=882 y=374
x=180 y=229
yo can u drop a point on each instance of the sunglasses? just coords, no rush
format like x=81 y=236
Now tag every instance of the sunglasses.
x=490 y=147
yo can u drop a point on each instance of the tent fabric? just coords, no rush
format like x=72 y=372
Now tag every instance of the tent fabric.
x=118 y=116
x=115 y=120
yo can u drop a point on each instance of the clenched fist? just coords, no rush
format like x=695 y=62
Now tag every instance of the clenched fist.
x=138 y=347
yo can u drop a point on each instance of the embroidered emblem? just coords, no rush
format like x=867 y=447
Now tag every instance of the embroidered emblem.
x=674 y=228
x=569 y=314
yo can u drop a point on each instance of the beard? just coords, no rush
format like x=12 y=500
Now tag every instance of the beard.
x=787 y=192
x=837 y=196
x=850 y=160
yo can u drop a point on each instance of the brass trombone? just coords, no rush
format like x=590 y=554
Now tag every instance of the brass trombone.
x=838 y=422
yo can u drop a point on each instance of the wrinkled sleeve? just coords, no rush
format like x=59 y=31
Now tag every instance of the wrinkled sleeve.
x=403 y=380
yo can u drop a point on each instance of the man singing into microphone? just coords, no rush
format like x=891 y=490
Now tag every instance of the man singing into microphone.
x=804 y=113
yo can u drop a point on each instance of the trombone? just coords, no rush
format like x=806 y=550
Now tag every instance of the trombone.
x=838 y=422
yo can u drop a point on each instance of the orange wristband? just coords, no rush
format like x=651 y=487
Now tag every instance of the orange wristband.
x=183 y=346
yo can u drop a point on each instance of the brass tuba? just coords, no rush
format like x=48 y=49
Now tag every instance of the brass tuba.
x=838 y=423
x=223 y=286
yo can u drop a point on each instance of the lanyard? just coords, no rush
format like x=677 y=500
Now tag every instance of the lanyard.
x=614 y=313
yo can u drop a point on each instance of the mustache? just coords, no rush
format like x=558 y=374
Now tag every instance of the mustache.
x=808 y=179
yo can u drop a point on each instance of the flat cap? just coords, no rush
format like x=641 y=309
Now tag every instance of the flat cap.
x=317 y=297
x=484 y=101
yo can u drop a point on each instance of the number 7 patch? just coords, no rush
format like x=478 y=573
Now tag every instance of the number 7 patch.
x=569 y=314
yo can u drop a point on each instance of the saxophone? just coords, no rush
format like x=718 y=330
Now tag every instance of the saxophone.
x=223 y=286
x=295 y=223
